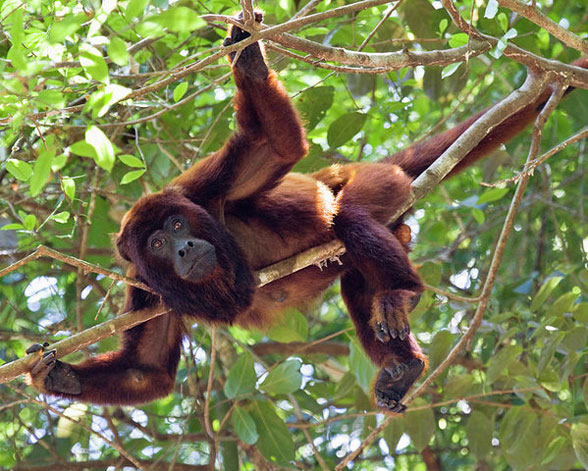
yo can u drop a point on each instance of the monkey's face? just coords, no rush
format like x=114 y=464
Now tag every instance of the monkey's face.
x=184 y=254
x=175 y=244
x=168 y=233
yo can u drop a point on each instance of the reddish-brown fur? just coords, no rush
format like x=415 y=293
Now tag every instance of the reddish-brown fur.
x=243 y=200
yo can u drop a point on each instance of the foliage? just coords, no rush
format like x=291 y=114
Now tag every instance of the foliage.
x=83 y=136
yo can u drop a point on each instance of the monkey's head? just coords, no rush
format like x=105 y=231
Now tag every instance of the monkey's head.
x=185 y=254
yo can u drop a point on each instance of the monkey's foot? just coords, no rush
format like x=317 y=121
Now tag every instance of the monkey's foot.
x=390 y=313
x=393 y=383
x=48 y=374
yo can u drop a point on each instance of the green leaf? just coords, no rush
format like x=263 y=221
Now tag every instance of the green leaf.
x=479 y=430
x=563 y=304
x=179 y=20
x=19 y=169
x=93 y=63
x=443 y=24
x=241 y=378
x=553 y=449
x=69 y=187
x=83 y=149
x=478 y=215
x=440 y=347
x=68 y=26
x=581 y=312
x=180 y=91
x=502 y=43
x=131 y=176
x=458 y=386
x=101 y=100
x=283 y=379
x=53 y=98
x=519 y=438
x=420 y=425
x=131 y=161
x=117 y=51
x=275 y=440
x=150 y=28
x=459 y=39
x=449 y=70
x=68 y=428
x=344 y=128
x=544 y=292
x=552 y=342
x=41 y=170
x=491 y=9
x=61 y=217
x=580 y=442
x=361 y=366
x=292 y=327
x=105 y=152
x=492 y=194
x=503 y=20
x=17 y=35
x=244 y=425
x=430 y=272
x=393 y=432
x=313 y=105
x=585 y=392
x=30 y=222
x=12 y=227
x=135 y=8
x=501 y=361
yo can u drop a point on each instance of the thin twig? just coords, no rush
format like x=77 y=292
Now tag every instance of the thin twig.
x=531 y=166
x=43 y=251
x=531 y=13
x=80 y=423
x=207 y=424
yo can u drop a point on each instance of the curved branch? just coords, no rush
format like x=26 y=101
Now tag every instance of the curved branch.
x=527 y=93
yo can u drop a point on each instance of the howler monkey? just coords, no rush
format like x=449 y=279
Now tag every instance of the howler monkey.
x=197 y=242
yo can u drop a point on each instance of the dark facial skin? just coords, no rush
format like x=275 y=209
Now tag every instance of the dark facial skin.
x=193 y=259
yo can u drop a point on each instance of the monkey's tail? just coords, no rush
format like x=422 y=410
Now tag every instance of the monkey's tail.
x=419 y=156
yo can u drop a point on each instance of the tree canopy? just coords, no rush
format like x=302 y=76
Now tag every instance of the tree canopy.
x=103 y=101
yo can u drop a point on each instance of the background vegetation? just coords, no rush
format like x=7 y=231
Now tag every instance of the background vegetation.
x=97 y=107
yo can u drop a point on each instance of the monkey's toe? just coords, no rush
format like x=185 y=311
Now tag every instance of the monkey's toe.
x=37 y=347
x=390 y=315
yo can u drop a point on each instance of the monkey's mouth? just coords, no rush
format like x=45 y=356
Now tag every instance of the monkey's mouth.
x=203 y=265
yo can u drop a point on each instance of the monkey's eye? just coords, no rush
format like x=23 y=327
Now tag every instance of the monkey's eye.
x=177 y=225
x=157 y=244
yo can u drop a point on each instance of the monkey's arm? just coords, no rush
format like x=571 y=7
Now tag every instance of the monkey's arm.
x=142 y=370
x=269 y=141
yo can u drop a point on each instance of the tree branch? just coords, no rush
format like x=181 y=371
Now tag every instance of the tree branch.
x=530 y=90
x=533 y=14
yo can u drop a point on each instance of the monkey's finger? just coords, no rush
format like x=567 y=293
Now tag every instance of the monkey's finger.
x=382 y=332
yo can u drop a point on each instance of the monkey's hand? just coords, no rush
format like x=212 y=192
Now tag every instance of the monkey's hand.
x=393 y=383
x=50 y=375
x=249 y=61
x=390 y=314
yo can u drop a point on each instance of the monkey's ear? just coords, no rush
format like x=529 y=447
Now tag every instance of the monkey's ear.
x=120 y=246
